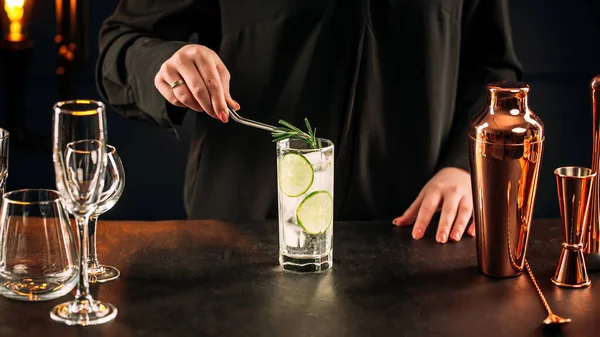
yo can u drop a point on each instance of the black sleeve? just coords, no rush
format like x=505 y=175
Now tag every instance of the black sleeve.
x=487 y=54
x=134 y=42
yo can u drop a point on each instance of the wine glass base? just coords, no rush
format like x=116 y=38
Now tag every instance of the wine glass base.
x=103 y=274
x=101 y=312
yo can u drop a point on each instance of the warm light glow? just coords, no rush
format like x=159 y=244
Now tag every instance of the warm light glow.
x=15 y=10
x=85 y=113
x=481 y=127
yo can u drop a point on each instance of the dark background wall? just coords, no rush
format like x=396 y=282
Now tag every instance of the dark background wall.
x=558 y=43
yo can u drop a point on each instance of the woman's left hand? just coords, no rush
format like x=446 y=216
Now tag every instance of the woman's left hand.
x=450 y=188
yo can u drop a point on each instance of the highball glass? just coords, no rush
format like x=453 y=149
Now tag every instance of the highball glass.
x=305 y=190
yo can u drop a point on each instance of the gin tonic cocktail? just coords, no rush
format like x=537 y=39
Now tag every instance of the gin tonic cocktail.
x=305 y=189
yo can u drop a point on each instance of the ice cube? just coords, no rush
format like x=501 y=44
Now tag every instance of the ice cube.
x=290 y=235
x=289 y=208
x=323 y=178
x=317 y=159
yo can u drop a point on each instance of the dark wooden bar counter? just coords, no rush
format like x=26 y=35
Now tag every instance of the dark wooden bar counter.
x=210 y=278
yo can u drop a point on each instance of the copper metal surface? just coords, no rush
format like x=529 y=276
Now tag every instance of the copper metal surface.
x=591 y=241
x=574 y=186
x=552 y=318
x=506 y=142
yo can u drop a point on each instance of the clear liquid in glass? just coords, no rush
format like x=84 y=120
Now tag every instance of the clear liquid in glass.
x=304 y=247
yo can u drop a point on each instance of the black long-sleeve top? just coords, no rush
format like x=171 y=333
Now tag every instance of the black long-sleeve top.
x=393 y=83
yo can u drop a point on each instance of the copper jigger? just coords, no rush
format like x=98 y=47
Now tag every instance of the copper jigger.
x=574 y=186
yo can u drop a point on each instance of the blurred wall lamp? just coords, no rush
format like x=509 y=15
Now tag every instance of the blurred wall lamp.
x=15 y=52
x=15 y=21
x=72 y=43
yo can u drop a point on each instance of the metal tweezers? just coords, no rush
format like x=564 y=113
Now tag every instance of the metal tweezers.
x=234 y=115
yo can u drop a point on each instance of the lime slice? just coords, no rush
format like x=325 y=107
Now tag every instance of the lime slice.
x=315 y=212
x=296 y=175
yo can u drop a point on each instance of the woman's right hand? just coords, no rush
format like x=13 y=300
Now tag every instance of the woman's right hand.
x=205 y=85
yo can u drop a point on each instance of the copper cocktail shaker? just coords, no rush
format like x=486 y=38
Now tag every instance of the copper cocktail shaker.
x=591 y=242
x=506 y=141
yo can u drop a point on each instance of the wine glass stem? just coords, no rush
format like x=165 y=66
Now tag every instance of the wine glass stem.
x=93 y=263
x=83 y=287
x=2 y=187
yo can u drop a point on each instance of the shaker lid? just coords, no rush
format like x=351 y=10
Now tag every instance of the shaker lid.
x=595 y=83
x=508 y=86
x=507 y=118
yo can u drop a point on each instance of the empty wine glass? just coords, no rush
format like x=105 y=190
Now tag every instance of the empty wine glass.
x=38 y=258
x=114 y=183
x=79 y=155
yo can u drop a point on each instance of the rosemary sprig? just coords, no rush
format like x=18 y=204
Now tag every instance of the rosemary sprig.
x=288 y=131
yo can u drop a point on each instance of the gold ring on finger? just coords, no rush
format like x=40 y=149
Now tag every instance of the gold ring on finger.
x=176 y=83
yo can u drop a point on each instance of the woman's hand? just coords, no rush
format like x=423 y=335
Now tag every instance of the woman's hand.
x=196 y=78
x=450 y=188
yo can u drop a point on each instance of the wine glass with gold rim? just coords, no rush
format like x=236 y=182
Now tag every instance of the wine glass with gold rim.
x=114 y=184
x=79 y=155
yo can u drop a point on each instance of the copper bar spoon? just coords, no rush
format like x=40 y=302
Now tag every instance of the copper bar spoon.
x=552 y=318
